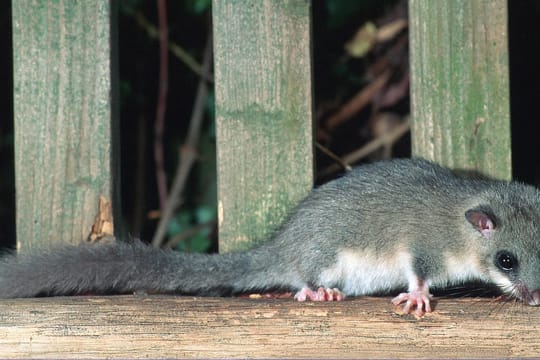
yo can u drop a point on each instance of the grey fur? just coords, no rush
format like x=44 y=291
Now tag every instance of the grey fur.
x=376 y=211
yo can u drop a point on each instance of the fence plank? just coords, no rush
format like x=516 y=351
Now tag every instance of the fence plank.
x=185 y=327
x=63 y=111
x=459 y=84
x=264 y=114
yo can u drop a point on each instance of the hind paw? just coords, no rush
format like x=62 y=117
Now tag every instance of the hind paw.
x=322 y=294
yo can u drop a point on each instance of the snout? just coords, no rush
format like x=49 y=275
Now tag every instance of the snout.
x=533 y=298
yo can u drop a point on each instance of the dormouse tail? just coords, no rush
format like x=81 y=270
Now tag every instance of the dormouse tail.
x=119 y=267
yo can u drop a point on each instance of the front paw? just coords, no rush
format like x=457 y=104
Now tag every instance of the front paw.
x=417 y=300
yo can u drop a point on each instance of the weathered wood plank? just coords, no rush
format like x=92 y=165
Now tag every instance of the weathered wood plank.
x=185 y=327
x=460 y=85
x=63 y=110
x=263 y=115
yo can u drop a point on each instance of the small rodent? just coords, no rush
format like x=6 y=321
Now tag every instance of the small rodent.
x=382 y=228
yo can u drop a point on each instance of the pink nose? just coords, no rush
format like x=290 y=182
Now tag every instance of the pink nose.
x=534 y=297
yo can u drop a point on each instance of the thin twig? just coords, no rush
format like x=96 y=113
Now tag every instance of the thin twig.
x=140 y=174
x=175 y=49
x=175 y=240
x=333 y=156
x=161 y=108
x=188 y=151
x=359 y=101
x=389 y=138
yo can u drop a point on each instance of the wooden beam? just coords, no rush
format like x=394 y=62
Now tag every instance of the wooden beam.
x=460 y=84
x=263 y=115
x=63 y=104
x=186 y=327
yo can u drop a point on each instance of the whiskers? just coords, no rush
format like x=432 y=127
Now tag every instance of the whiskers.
x=504 y=301
x=520 y=298
x=481 y=294
x=475 y=290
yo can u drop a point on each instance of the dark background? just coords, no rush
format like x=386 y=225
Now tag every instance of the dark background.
x=338 y=77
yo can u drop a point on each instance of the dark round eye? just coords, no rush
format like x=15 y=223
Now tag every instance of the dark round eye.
x=506 y=261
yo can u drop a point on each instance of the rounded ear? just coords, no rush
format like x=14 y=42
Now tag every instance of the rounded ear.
x=483 y=221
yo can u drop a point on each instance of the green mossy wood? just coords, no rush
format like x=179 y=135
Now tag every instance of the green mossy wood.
x=263 y=114
x=63 y=112
x=460 y=86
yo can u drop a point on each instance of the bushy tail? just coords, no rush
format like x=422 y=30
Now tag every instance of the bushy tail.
x=120 y=267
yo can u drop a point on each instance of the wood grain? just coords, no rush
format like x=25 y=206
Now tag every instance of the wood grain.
x=186 y=327
x=263 y=115
x=460 y=84
x=63 y=107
